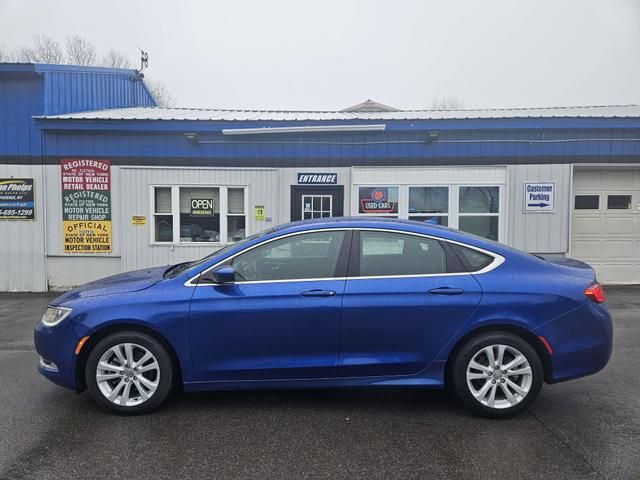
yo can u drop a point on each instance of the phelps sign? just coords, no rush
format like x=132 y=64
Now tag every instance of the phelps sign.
x=86 y=206
x=16 y=199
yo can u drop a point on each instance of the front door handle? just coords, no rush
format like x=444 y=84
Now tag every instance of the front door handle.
x=446 y=291
x=318 y=293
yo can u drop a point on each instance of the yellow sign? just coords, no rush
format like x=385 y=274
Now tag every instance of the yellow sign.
x=259 y=212
x=138 y=220
x=86 y=237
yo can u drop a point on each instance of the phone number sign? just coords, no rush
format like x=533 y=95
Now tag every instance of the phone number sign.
x=16 y=199
x=86 y=205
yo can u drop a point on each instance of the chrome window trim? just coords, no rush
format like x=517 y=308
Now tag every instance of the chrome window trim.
x=497 y=259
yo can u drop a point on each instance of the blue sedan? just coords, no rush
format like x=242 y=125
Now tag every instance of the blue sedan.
x=333 y=303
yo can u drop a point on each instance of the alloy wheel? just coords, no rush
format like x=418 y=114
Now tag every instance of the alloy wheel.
x=499 y=376
x=128 y=374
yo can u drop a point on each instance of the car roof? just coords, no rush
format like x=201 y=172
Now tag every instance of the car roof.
x=424 y=228
x=354 y=221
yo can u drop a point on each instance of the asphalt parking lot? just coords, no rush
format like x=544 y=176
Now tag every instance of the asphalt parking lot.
x=587 y=428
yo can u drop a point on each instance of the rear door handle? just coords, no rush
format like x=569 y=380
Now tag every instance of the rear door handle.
x=318 y=293
x=446 y=291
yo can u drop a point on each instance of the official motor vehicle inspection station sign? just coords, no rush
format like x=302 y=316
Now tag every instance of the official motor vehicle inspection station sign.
x=86 y=205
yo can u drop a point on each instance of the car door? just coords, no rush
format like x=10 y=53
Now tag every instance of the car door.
x=280 y=319
x=405 y=297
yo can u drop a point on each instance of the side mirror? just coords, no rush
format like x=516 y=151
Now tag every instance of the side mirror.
x=224 y=274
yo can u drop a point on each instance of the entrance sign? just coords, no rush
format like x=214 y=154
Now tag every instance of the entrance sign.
x=539 y=197
x=86 y=205
x=317 y=178
x=16 y=199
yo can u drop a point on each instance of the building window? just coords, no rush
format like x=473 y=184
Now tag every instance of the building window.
x=162 y=215
x=586 y=202
x=479 y=209
x=236 y=215
x=199 y=214
x=379 y=201
x=429 y=204
x=618 y=202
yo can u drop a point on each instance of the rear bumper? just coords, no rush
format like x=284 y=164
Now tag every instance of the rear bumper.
x=56 y=347
x=582 y=341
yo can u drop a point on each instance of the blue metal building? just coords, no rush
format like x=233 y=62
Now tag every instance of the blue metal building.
x=547 y=180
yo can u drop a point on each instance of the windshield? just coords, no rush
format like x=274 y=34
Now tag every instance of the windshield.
x=178 y=268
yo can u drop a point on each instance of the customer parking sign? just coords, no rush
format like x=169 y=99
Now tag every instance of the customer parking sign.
x=539 y=197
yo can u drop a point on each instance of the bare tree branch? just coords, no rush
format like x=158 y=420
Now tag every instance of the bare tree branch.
x=160 y=93
x=7 y=55
x=80 y=51
x=115 y=59
x=450 y=102
x=44 y=50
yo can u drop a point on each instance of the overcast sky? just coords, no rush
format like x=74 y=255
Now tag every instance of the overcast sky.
x=327 y=54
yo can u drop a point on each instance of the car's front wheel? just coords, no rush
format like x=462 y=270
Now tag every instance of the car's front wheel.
x=497 y=375
x=129 y=373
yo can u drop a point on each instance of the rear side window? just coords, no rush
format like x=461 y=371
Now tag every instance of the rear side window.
x=472 y=259
x=386 y=253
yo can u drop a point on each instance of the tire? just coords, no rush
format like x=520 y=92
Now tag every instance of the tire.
x=138 y=386
x=475 y=379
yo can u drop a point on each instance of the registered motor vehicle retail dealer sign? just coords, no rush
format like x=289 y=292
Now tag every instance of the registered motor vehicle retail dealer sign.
x=86 y=205
x=539 y=197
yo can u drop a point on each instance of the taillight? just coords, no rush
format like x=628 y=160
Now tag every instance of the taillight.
x=595 y=293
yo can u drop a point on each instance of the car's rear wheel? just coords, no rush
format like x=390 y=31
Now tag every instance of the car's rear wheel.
x=129 y=373
x=497 y=375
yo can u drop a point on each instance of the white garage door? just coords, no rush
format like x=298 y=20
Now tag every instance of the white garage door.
x=605 y=230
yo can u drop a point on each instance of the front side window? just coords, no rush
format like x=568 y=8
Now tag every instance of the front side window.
x=309 y=255
x=199 y=214
x=479 y=211
x=386 y=253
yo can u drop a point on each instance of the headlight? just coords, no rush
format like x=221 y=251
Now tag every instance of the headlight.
x=54 y=315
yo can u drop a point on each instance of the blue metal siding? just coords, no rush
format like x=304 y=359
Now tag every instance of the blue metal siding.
x=386 y=148
x=67 y=92
x=28 y=90
x=20 y=99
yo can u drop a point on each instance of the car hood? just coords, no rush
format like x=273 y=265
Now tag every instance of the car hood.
x=122 y=283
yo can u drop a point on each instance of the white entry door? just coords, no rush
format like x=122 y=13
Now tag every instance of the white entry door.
x=605 y=227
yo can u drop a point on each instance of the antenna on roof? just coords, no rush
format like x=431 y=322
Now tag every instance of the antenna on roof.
x=144 y=62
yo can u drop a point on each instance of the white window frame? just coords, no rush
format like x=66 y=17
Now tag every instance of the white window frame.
x=321 y=211
x=449 y=188
x=454 y=202
x=497 y=214
x=175 y=212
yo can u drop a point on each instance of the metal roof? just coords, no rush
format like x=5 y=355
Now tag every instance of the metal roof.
x=201 y=114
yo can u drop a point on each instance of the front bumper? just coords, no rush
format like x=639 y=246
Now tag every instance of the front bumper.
x=582 y=341
x=56 y=345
